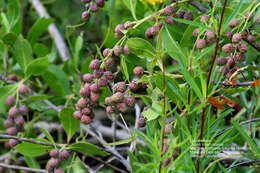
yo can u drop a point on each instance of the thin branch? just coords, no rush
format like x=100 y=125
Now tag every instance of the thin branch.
x=53 y=30
x=105 y=163
x=108 y=148
x=199 y=6
x=239 y=84
x=241 y=124
x=4 y=136
x=22 y=168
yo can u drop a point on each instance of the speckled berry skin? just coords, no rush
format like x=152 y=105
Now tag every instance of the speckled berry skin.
x=19 y=120
x=81 y=103
x=85 y=16
x=210 y=35
x=93 y=7
x=88 y=77
x=196 y=32
x=167 y=11
x=13 y=112
x=222 y=61
x=228 y=48
x=200 y=44
x=13 y=142
x=77 y=115
x=119 y=28
x=242 y=47
x=119 y=87
x=8 y=123
x=117 y=97
x=118 y=50
x=23 y=89
x=110 y=64
x=86 y=119
x=12 y=131
x=204 y=18
x=122 y=107
x=64 y=155
x=138 y=70
x=130 y=101
x=9 y=101
x=54 y=153
x=94 y=65
x=52 y=164
x=110 y=110
x=107 y=52
x=251 y=38
x=126 y=50
x=234 y=22
x=236 y=37
x=23 y=110
x=94 y=88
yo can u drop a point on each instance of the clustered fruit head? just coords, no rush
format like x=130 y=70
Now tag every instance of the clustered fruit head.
x=56 y=157
x=121 y=27
x=91 y=90
x=142 y=121
x=15 y=121
x=92 y=6
x=236 y=48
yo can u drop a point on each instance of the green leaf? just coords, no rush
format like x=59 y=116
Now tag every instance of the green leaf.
x=61 y=86
x=32 y=162
x=48 y=135
x=70 y=124
x=77 y=49
x=31 y=149
x=154 y=111
x=9 y=38
x=40 y=49
x=4 y=92
x=88 y=149
x=189 y=22
x=175 y=51
x=37 y=67
x=131 y=5
x=250 y=141
x=37 y=98
x=3 y=50
x=124 y=68
x=38 y=28
x=22 y=52
x=141 y=48
x=13 y=11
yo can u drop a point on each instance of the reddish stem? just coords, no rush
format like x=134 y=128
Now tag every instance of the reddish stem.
x=209 y=76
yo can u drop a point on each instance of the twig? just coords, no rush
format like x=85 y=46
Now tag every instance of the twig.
x=90 y=170
x=241 y=124
x=54 y=32
x=227 y=84
x=114 y=126
x=105 y=163
x=108 y=148
x=3 y=136
x=247 y=162
x=199 y=6
x=22 y=168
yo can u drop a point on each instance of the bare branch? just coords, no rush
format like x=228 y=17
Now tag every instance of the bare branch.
x=22 y=168
x=199 y=6
x=239 y=84
x=54 y=32
x=3 y=136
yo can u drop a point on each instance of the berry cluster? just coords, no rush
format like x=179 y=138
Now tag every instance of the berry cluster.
x=235 y=48
x=121 y=27
x=15 y=121
x=119 y=102
x=91 y=91
x=207 y=37
x=92 y=6
x=56 y=157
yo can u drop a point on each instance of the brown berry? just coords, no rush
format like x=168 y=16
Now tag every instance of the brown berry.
x=110 y=64
x=23 y=89
x=23 y=110
x=117 y=97
x=77 y=115
x=94 y=65
x=88 y=78
x=13 y=142
x=222 y=61
x=54 y=153
x=64 y=155
x=242 y=47
x=12 y=131
x=13 y=111
x=9 y=101
x=228 y=48
x=236 y=37
x=138 y=70
x=86 y=119
x=122 y=107
x=8 y=123
x=201 y=43
x=86 y=111
x=231 y=62
x=234 y=22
